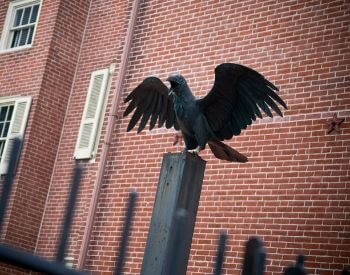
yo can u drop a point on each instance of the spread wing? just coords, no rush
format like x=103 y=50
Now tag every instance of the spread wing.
x=151 y=102
x=237 y=98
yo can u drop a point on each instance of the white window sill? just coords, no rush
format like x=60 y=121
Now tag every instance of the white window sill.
x=26 y=47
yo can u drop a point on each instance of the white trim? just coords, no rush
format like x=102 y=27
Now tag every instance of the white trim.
x=20 y=48
x=13 y=5
x=8 y=100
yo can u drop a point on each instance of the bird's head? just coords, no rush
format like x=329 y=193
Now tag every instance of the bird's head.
x=176 y=81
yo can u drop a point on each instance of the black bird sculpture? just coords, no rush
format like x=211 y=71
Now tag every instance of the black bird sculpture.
x=236 y=99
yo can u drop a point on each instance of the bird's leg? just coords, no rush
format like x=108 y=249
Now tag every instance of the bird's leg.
x=195 y=151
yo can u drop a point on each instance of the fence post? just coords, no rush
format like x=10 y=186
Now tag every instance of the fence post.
x=126 y=231
x=220 y=253
x=7 y=186
x=179 y=186
x=254 y=257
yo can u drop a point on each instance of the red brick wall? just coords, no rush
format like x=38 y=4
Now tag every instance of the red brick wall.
x=45 y=72
x=99 y=50
x=293 y=193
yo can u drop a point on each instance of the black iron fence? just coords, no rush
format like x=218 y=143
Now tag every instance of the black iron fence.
x=253 y=263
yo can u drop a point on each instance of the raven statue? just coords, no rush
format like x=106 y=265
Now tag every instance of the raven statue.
x=236 y=99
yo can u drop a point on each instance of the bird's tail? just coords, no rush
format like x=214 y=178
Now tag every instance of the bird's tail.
x=225 y=152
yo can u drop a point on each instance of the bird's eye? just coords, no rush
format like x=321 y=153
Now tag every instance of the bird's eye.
x=174 y=84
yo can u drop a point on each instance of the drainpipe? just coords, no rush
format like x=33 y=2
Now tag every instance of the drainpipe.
x=109 y=131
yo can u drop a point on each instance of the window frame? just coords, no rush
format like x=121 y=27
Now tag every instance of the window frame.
x=17 y=126
x=2 y=129
x=8 y=24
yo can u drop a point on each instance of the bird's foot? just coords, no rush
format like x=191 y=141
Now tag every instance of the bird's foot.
x=194 y=151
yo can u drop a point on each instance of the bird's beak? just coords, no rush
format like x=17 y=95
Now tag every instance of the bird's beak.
x=171 y=90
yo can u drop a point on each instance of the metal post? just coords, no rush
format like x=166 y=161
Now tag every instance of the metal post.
x=254 y=258
x=6 y=189
x=126 y=232
x=179 y=186
x=173 y=261
x=220 y=253
x=69 y=213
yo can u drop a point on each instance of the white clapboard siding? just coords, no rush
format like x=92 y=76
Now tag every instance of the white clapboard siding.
x=16 y=129
x=92 y=115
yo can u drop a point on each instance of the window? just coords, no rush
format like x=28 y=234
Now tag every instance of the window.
x=13 y=119
x=20 y=23
x=6 y=112
x=92 y=115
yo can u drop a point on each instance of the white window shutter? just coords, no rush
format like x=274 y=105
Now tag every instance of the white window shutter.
x=91 y=115
x=16 y=129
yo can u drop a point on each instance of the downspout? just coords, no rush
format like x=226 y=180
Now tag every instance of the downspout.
x=109 y=132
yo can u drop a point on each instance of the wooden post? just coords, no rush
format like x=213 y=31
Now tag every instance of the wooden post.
x=179 y=187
